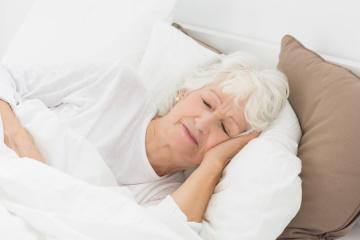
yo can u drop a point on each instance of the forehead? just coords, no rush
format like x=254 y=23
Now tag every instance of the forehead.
x=226 y=98
x=227 y=106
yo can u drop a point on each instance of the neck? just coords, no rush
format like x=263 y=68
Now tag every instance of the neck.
x=158 y=151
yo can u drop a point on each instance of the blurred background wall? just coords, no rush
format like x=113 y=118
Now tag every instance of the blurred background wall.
x=12 y=14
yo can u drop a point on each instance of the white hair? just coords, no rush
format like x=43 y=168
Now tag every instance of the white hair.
x=266 y=90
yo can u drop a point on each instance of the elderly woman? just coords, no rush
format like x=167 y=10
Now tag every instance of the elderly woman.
x=215 y=112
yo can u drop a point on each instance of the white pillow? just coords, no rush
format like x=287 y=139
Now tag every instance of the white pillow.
x=86 y=31
x=170 y=55
x=260 y=191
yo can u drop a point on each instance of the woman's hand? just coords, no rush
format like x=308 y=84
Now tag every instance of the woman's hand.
x=10 y=122
x=17 y=137
x=194 y=194
x=220 y=155
x=23 y=144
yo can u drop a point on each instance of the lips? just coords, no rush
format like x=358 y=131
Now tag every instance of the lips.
x=187 y=131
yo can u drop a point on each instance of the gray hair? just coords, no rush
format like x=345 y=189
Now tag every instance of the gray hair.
x=266 y=90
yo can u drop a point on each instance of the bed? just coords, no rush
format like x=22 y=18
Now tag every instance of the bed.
x=257 y=26
x=226 y=25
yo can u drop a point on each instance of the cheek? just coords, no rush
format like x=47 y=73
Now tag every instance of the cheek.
x=189 y=106
x=181 y=110
x=179 y=142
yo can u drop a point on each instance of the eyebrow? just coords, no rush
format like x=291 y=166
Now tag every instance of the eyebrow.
x=231 y=117
x=218 y=97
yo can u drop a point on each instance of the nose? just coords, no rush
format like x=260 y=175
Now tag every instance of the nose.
x=204 y=122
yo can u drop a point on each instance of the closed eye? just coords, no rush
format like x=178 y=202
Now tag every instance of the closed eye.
x=206 y=104
x=224 y=129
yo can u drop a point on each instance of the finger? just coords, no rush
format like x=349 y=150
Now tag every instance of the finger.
x=233 y=145
x=241 y=141
x=249 y=136
x=246 y=137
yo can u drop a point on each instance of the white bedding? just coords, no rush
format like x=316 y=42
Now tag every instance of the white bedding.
x=72 y=201
x=40 y=202
x=243 y=181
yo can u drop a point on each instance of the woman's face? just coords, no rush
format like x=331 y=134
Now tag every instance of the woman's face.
x=202 y=119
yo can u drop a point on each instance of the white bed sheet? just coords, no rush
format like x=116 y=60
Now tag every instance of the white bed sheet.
x=36 y=201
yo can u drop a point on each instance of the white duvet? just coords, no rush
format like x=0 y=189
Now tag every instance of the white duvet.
x=70 y=202
x=40 y=202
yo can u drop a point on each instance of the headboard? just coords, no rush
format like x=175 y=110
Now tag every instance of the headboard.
x=328 y=27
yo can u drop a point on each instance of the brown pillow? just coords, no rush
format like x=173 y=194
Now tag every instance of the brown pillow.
x=326 y=99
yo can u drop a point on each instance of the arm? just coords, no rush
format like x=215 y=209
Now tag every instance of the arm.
x=194 y=194
x=52 y=85
x=11 y=123
x=15 y=136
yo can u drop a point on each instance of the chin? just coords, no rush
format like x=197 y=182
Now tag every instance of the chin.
x=185 y=158
x=194 y=161
x=197 y=161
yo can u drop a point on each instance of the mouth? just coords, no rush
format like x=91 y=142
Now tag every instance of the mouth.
x=188 y=133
